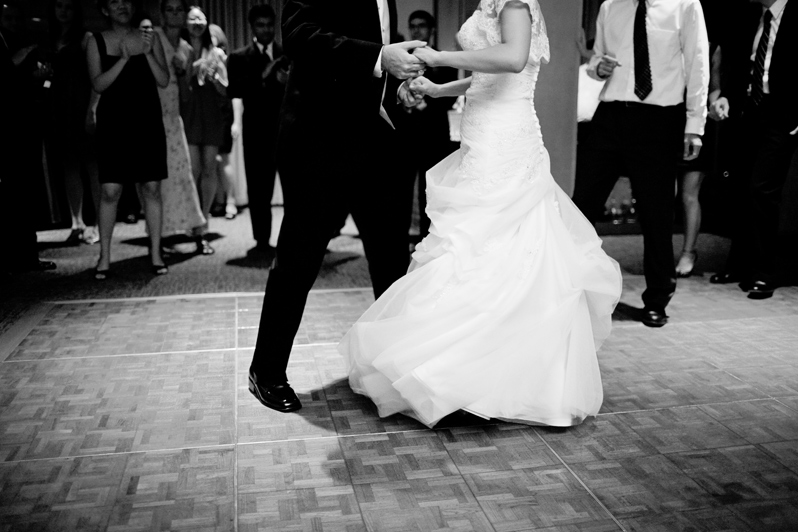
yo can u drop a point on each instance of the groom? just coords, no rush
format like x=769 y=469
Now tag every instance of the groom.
x=335 y=156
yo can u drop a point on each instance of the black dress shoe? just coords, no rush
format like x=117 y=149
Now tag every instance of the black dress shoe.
x=654 y=318
x=725 y=278
x=280 y=397
x=33 y=266
x=761 y=290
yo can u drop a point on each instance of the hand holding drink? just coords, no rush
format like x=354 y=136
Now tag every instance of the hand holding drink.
x=606 y=66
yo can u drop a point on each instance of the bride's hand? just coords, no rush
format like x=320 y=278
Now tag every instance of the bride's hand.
x=428 y=55
x=407 y=97
x=421 y=86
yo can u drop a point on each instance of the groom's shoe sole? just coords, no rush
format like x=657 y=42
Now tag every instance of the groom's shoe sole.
x=267 y=397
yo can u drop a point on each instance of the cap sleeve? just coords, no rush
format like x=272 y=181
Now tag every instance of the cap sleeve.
x=539 y=46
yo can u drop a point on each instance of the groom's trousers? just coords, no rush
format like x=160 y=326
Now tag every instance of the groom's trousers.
x=644 y=143
x=325 y=177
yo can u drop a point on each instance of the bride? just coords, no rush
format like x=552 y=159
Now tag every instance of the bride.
x=509 y=297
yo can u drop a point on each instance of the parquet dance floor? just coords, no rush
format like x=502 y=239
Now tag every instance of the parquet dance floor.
x=134 y=415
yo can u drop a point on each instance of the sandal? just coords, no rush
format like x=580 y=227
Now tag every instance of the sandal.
x=686 y=264
x=160 y=269
x=102 y=275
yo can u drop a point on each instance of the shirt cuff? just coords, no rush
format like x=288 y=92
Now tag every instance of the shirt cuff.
x=694 y=125
x=378 y=66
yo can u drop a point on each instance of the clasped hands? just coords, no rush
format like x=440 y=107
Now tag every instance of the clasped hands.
x=137 y=43
x=407 y=61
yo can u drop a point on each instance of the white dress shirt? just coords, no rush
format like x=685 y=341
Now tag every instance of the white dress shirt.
x=265 y=49
x=385 y=22
x=777 y=10
x=678 y=50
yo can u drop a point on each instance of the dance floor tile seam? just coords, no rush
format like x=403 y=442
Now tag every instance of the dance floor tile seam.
x=711 y=396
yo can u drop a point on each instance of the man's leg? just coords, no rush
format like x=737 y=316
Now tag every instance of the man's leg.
x=788 y=226
x=598 y=162
x=768 y=177
x=379 y=207
x=744 y=138
x=310 y=217
x=259 y=167
x=655 y=143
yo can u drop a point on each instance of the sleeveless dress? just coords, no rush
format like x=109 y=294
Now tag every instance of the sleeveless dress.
x=509 y=297
x=131 y=143
x=181 y=205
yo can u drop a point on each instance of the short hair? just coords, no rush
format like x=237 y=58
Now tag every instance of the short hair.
x=426 y=16
x=260 y=11
x=183 y=3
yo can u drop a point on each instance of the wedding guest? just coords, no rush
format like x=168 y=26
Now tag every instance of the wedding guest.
x=182 y=212
x=201 y=108
x=693 y=173
x=761 y=86
x=21 y=253
x=126 y=67
x=258 y=73
x=72 y=114
x=225 y=196
x=651 y=115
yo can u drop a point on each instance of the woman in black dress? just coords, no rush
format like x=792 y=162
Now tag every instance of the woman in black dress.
x=126 y=67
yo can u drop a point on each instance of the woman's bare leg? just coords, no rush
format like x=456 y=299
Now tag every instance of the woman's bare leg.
x=150 y=192
x=109 y=200
x=691 y=187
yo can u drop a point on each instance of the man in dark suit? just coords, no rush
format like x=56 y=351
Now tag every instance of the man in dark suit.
x=336 y=154
x=424 y=127
x=761 y=85
x=257 y=74
x=21 y=253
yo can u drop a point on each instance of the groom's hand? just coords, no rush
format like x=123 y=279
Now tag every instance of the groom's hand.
x=398 y=60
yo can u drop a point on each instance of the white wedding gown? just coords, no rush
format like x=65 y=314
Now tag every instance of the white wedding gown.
x=509 y=297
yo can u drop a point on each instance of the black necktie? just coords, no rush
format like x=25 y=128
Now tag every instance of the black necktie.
x=643 y=83
x=757 y=83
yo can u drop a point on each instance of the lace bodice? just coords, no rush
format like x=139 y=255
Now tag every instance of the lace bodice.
x=483 y=29
x=501 y=138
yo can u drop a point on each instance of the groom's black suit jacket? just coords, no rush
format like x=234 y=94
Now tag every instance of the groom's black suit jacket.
x=333 y=47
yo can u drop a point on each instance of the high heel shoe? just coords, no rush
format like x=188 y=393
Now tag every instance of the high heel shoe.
x=102 y=275
x=686 y=264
